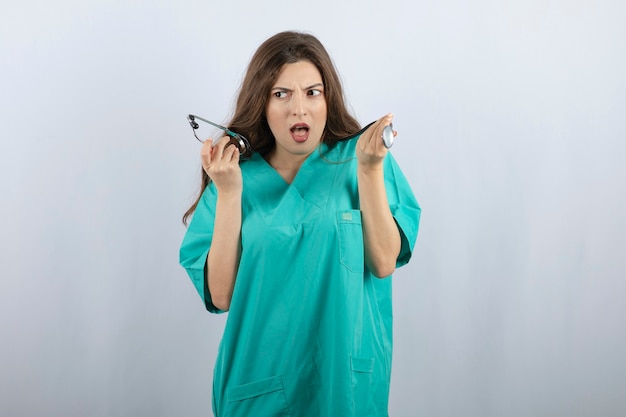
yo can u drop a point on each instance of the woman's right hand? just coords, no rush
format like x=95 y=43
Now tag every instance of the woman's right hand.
x=221 y=164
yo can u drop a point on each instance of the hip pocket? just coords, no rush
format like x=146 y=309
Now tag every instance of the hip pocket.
x=362 y=372
x=350 y=235
x=262 y=398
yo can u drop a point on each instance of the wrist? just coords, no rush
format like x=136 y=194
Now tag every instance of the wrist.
x=374 y=169
x=229 y=195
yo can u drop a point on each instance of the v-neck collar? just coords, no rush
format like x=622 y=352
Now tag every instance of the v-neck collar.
x=313 y=182
x=313 y=155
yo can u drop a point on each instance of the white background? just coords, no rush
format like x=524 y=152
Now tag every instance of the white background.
x=512 y=133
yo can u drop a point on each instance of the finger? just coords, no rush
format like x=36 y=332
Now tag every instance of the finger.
x=206 y=153
x=377 y=134
x=229 y=152
x=235 y=155
x=218 y=149
x=220 y=140
x=371 y=133
x=379 y=126
x=385 y=121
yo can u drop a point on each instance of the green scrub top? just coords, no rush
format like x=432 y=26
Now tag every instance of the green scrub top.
x=309 y=330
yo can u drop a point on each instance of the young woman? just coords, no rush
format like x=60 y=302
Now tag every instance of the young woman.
x=298 y=241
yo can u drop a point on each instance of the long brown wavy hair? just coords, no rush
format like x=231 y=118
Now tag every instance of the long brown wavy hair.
x=249 y=119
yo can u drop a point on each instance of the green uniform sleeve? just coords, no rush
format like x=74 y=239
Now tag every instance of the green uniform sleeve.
x=404 y=208
x=196 y=244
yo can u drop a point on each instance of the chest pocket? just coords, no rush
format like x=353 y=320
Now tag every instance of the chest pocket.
x=350 y=234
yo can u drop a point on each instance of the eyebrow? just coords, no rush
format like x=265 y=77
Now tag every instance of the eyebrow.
x=317 y=85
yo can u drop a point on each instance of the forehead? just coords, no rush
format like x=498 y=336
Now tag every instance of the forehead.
x=301 y=73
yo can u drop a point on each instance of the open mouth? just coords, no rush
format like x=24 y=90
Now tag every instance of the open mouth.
x=300 y=132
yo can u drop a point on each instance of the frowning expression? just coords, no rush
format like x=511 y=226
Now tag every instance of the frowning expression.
x=296 y=110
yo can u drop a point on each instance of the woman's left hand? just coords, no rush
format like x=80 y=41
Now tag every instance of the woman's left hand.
x=370 y=150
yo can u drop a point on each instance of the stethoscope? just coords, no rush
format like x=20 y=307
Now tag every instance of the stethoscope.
x=245 y=150
x=387 y=135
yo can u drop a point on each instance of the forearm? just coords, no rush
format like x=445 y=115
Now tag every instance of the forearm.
x=380 y=232
x=223 y=258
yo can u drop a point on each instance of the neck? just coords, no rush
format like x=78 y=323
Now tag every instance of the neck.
x=286 y=165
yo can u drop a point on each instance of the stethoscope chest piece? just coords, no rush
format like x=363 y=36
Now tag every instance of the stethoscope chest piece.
x=388 y=136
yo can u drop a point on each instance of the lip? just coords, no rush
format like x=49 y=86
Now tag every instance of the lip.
x=300 y=136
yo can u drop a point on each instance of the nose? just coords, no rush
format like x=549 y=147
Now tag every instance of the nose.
x=298 y=105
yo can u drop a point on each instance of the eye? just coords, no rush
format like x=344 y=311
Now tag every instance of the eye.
x=280 y=94
x=314 y=92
